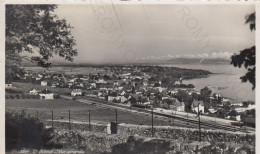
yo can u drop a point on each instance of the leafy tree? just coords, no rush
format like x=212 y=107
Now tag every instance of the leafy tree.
x=37 y=31
x=205 y=96
x=183 y=96
x=132 y=100
x=246 y=57
x=156 y=103
x=24 y=131
x=106 y=77
x=195 y=96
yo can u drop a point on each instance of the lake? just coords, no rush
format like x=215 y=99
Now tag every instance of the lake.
x=227 y=82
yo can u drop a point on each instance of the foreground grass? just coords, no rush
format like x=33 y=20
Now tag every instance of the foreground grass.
x=78 y=111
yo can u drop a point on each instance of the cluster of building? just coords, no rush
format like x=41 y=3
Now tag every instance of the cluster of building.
x=43 y=94
x=125 y=88
x=135 y=88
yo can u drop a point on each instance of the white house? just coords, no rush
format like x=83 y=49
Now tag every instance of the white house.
x=178 y=106
x=44 y=83
x=116 y=97
x=72 y=80
x=123 y=98
x=76 y=92
x=173 y=92
x=46 y=94
x=197 y=106
x=99 y=93
x=116 y=83
x=102 y=81
x=225 y=100
x=34 y=92
x=234 y=115
x=164 y=97
x=145 y=83
x=93 y=85
x=8 y=85
x=147 y=103
x=122 y=93
x=38 y=78
x=120 y=88
x=160 y=89
x=110 y=98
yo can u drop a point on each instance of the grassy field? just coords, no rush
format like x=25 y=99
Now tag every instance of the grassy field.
x=68 y=70
x=26 y=87
x=79 y=111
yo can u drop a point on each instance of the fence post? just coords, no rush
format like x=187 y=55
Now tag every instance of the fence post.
x=187 y=119
x=116 y=116
x=199 y=122
x=89 y=119
x=245 y=127
x=52 y=118
x=152 y=122
x=69 y=119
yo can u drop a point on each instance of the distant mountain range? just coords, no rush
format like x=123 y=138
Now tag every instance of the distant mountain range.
x=197 y=61
x=169 y=61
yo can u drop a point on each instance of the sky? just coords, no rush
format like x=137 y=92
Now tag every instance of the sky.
x=149 y=33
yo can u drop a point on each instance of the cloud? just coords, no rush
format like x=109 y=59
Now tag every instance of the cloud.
x=214 y=55
x=221 y=55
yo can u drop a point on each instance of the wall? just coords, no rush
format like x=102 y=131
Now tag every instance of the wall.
x=78 y=126
x=165 y=132
x=185 y=134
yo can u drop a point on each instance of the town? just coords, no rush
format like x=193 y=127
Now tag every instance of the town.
x=143 y=87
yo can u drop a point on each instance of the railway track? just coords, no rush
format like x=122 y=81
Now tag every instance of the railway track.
x=191 y=122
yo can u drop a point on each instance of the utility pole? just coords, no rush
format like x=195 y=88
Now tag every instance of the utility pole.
x=152 y=122
x=116 y=116
x=199 y=122
x=89 y=119
x=172 y=117
x=52 y=118
x=187 y=119
x=69 y=119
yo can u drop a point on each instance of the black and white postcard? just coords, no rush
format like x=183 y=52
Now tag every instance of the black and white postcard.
x=128 y=77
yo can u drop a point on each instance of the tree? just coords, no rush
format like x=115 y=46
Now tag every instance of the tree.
x=132 y=100
x=195 y=96
x=106 y=77
x=246 y=57
x=183 y=96
x=36 y=30
x=205 y=96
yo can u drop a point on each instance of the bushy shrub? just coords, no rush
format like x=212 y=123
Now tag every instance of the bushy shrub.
x=13 y=91
x=23 y=96
x=133 y=145
x=26 y=131
x=226 y=148
x=18 y=96
x=57 y=96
